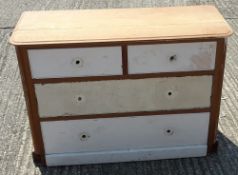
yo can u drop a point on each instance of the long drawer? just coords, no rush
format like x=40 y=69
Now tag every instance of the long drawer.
x=125 y=133
x=118 y=96
x=177 y=57
x=75 y=62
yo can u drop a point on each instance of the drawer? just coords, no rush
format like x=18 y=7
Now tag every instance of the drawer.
x=74 y=62
x=171 y=57
x=118 y=96
x=125 y=133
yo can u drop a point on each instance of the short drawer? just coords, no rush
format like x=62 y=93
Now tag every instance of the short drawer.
x=118 y=96
x=75 y=62
x=125 y=133
x=156 y=58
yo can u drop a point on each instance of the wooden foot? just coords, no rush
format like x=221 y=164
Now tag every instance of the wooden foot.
x=38 y=159
x=214 y=148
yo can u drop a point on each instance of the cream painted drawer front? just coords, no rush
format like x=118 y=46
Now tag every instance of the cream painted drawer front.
x=115 y=96
x=73 y=62
x=124 y=133
x=171 y=57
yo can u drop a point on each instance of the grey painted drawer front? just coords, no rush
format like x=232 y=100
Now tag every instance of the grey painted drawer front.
x=116 y=96
x=75 y=62
x=152 y=58
x=123 y=133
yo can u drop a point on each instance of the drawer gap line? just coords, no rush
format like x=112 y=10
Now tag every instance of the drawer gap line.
x=124 y=59
x=126 y=114
x=123 y=77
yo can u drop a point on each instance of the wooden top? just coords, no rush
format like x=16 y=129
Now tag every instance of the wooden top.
x=111 y=25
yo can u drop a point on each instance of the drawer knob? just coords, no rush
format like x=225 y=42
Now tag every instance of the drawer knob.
x=172 y=58
x=169 y=132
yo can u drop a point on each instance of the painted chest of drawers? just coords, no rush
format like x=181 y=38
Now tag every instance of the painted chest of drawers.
x=122 y=84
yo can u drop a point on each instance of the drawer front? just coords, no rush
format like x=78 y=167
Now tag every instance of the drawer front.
x=118 y=96
x=73 y=62
x=171 y=57
x=125 y=133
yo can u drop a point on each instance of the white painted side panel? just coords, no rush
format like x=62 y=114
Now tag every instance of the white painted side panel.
x=116 y=96
x=126 y=155
x=125 y=133
x=74 y=62
x=156 y=57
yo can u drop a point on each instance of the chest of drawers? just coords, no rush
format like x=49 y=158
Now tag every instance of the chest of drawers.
x=122 y=84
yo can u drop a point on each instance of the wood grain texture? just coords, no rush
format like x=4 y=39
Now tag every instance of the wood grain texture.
x=15 y=138
x=86 y=26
